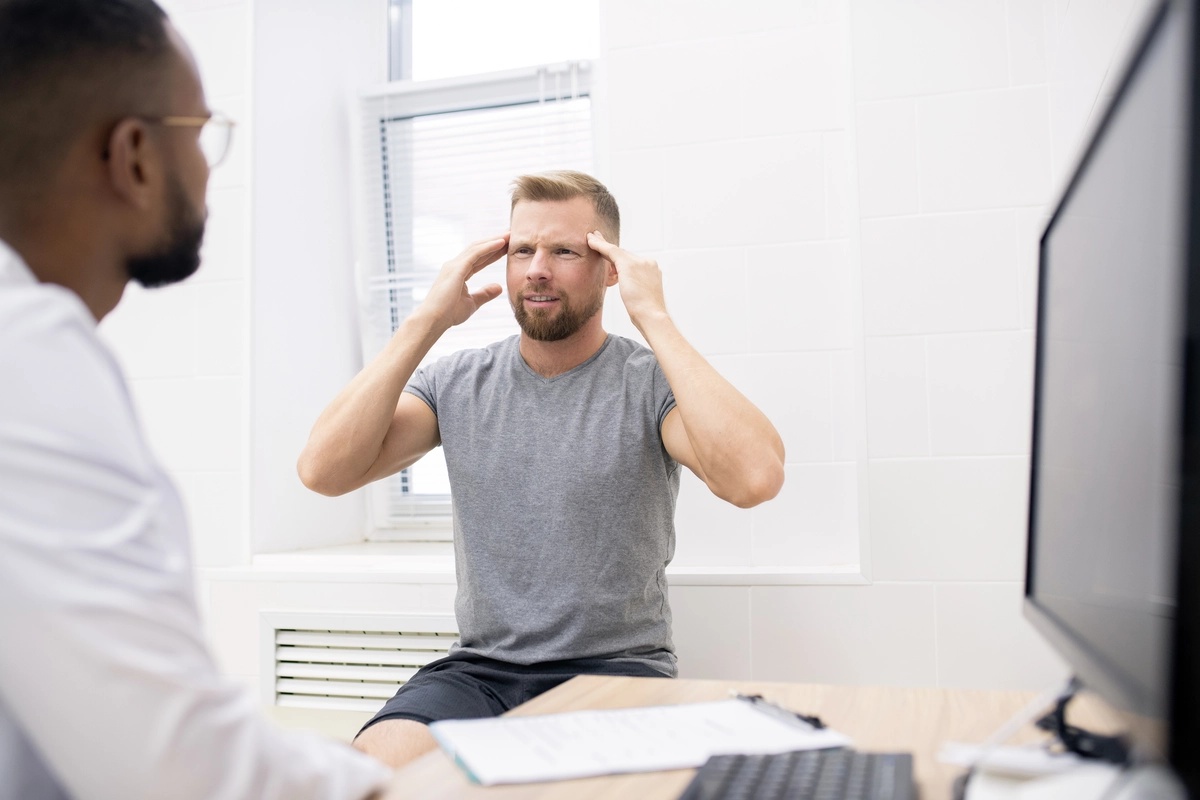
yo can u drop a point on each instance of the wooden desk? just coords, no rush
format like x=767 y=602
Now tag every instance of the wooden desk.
x=875 y=718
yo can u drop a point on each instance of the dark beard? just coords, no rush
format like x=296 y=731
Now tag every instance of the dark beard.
x=177 y=258
x=541 y=327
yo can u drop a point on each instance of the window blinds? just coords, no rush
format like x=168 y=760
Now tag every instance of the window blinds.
x=435 y=166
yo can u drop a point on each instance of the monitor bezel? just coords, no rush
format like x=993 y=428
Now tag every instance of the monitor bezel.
x=1171 y=735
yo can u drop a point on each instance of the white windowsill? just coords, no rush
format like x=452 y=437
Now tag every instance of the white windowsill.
x=433 y=562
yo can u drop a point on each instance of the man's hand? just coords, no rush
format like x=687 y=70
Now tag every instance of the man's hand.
x=371 y=429
x=639 y=279
x=449 y=300
x=713 y=430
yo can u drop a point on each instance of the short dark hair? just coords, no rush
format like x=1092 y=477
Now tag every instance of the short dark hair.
x=567 y=184
x=67 y=65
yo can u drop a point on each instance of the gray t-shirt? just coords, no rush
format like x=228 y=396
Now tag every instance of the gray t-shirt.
x=564 y=503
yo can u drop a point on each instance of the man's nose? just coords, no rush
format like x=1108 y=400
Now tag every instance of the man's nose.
x=539 y=267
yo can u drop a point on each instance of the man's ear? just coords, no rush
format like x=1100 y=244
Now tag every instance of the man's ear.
x=610 y=273
x=131 y=165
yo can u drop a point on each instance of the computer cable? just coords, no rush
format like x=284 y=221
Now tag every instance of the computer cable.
x=1080 y=741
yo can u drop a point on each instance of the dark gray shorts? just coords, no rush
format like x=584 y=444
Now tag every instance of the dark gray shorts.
x=468 y=686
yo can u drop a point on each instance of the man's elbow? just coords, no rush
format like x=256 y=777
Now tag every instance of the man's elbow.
x=317 y=479
x=758 y=486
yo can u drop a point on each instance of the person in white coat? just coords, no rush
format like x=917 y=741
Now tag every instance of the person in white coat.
x=107 y=689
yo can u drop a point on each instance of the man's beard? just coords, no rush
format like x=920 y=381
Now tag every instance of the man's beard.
x=539 y=325
x=179 y=256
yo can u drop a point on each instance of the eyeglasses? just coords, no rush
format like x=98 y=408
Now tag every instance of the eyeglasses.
x=216 y=132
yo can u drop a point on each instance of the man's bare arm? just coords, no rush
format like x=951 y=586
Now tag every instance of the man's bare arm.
x=713 y=430
x=372 y=429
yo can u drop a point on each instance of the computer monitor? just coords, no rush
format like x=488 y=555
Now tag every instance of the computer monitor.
x=1113 y=564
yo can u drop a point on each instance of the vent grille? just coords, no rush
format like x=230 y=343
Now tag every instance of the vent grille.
x=336 y=661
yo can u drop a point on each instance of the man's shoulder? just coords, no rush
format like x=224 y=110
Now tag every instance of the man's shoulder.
x=475 y=359
x=44 y=323
x=630 y=352
x=62 y=383
x=30 y=308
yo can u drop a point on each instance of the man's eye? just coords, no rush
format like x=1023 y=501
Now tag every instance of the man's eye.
x=562 y=251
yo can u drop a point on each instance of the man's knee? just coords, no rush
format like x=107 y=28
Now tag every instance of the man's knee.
x=396 y=742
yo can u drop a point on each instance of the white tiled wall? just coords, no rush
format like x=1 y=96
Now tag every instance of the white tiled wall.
x=844 y=196
x=906 y=290
x=746 y=114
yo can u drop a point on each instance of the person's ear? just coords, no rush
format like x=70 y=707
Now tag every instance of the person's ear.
x=131 y=164
x=610 y=273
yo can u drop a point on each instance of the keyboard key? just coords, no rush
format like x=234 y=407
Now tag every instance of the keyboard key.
x=833 y=774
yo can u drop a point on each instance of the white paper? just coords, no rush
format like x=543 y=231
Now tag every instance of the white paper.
x=579 y=744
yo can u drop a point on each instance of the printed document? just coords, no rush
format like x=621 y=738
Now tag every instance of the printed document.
x=580 y=744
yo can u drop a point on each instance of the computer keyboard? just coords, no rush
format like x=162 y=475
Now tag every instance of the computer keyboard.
x=831 y=774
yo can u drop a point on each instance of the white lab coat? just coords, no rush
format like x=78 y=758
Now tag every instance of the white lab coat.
x=107 y=689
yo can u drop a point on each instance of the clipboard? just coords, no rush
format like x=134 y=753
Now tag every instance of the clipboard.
x=580 y=744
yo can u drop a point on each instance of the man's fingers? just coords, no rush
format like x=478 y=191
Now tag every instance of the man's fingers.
x=486 y=294
x=597 y=242
x=484 y=252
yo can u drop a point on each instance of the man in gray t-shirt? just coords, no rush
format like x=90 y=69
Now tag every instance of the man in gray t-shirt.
x=563 y=446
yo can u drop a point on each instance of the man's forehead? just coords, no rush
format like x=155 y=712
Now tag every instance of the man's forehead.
x=557 y=220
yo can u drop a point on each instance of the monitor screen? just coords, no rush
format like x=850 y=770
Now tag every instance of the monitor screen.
x=1109 y=396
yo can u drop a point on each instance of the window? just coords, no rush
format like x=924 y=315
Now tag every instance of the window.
x=435 y=163
x=499 y=36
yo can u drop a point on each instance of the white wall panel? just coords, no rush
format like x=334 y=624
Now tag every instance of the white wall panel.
x=220 y=35
x=305 y=344
x=637 y=181
x=220 y=315
x=939 y=273
x=801 y=297
x=984 y=149
x=225 y=253
x=712 y=632
x=709 y=297
x=814 y=520
x=153 y=332
x=684 y=20
x=985 y=643
x=803 y=65
x=215 y=502
x=626 y=24
x=795 y=390
x=745 y=192
x=1031 y=222
x=897 y=396
x=946 y=519
x=887 y=158
x=687 y=79
x=882 y=634
x=635 y=116
x=981 y=393
x=1028 y=27
x=841 y=195
x=928 y=47
x=848 y=413
x=194 y=423
x=708 y=530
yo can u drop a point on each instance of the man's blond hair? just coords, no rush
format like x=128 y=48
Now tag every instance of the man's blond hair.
x=566 y=184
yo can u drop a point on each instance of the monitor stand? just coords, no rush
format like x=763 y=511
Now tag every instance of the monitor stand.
x=1087 y=782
